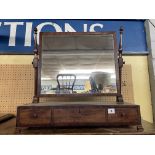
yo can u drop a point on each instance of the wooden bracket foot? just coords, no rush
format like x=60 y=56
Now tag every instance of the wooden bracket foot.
x=140 y=128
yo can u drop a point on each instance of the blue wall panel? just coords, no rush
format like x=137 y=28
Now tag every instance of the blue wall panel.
x=15 y=29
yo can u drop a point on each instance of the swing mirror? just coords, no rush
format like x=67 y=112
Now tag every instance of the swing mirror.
x=78 y=63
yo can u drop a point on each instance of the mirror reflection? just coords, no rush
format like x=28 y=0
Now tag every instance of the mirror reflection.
x=77 y=64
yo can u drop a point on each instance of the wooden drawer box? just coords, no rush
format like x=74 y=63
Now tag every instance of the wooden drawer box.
x=62 y=115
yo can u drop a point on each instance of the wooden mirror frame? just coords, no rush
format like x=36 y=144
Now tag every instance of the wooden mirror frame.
x=37 y=65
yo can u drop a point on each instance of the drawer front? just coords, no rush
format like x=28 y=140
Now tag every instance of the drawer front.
x=92 y=115
x=122 y=115
x=78 y=116
x=34 y=116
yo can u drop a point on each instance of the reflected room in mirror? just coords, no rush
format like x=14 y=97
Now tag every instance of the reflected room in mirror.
x=76 y=64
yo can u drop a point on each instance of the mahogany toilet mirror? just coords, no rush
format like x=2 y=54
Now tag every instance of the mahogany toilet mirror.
x=72 y=70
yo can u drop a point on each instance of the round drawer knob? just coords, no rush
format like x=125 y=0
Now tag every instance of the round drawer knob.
x=35 y=115
x=123 y=114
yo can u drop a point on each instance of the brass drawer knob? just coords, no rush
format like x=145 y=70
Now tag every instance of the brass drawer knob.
x=122 y=114
x=35 y=115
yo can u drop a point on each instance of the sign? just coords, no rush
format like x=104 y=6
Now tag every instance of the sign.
x=16 y=35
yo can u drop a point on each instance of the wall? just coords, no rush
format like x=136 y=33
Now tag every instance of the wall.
x=150 y=36
x=141 y=86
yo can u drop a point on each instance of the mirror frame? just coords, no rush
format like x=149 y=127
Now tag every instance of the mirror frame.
x=38 y=57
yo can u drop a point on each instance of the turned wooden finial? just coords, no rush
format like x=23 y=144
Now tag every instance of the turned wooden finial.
x=35 y=30
x=121 y=29
x=35 y=41
x=121 y=39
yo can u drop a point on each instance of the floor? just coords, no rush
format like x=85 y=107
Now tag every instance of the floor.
x=9 y=128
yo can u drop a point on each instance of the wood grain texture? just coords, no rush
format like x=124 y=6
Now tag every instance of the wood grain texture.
x=76 y=116
x=34 y=116
x=124 y=115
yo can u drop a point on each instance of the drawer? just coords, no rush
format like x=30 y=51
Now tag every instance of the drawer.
x=34 y=116
x=92 y=115
x=123 y=115
x=78 y=116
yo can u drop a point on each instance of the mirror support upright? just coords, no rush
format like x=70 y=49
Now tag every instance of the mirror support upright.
x=35 y=66
x=120 y=64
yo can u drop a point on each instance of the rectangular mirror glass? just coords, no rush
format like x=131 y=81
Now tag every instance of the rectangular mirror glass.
x=74 y=63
